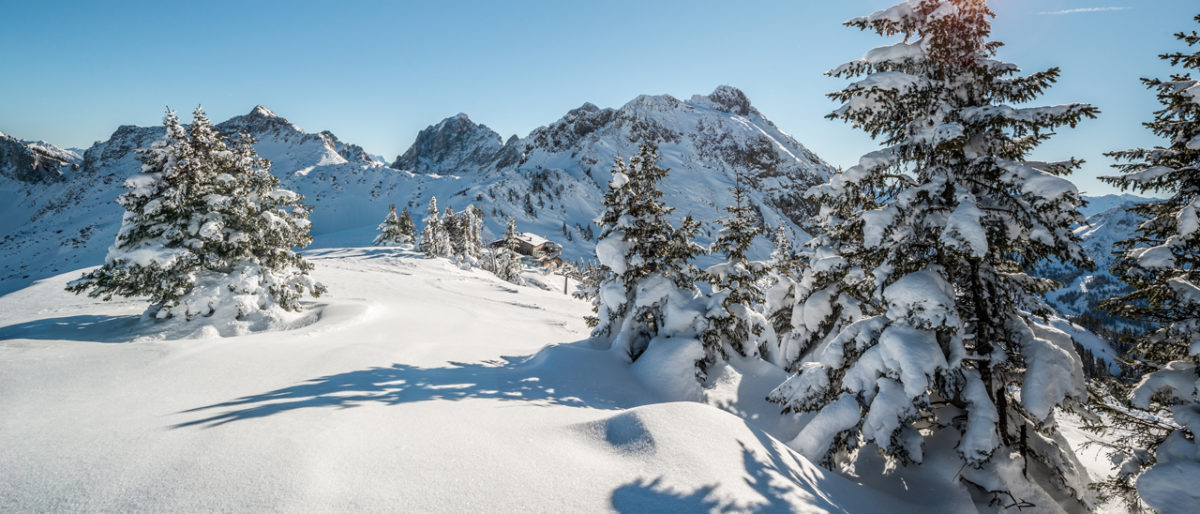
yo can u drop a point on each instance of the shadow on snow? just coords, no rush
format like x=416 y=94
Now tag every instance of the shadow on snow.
x=776 y=477
x=88 y=327
x=558 y=375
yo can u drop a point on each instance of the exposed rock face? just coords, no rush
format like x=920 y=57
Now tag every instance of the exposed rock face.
x=118 y=152
x=726 y=99
x=453 y=145
x=34 y=162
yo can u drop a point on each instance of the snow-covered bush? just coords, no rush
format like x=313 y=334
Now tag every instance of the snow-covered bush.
x=943 y=223
x=1162 y=263
x=206 y=228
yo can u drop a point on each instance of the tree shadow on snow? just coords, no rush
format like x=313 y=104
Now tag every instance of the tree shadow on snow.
x=88 y=327
x=777 y=477
x=559 y=375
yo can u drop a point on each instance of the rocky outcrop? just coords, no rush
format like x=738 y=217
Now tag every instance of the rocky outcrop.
x=454 y=145
x=34 y=162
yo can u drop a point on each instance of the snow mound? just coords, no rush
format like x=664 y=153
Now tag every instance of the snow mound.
x=681 y=468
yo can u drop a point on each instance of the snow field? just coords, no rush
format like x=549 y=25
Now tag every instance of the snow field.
x=394 y=394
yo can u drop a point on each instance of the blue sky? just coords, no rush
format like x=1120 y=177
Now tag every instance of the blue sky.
x=375 y=73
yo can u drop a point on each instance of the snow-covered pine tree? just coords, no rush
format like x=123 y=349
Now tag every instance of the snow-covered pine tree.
x=472 y=233
x=392 y=231
x=408 y=229
x=452 y=224
x=957 y=352
x=429 y=234
x=207 y=229
x=779 y=293
x=435 y=241
x=645 y=262
x=1162 y=263
x=506 y=261
x=734 y=321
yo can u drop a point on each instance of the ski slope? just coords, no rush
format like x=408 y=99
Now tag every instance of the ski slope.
x=413 y=386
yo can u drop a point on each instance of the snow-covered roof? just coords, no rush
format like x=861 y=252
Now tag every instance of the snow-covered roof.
x=533 y=239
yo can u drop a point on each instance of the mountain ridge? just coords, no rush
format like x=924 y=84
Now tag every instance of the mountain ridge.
x=552 y=181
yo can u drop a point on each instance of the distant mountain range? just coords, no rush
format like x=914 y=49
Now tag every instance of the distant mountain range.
x=60 y=213
x=1109 y=222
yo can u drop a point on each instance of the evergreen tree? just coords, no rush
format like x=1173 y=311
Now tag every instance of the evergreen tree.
x=506 y=261
x=435 y=241
x=944 y=221
x=1162 y=263
x=472 y=234
x=392 y=231
x=408 y=230
x=779 y=294
x=452 y=224
x=206 y=227
x=645 y=262
x=734 y=321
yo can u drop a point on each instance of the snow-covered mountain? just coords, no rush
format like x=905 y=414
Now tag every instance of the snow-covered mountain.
x=1098 y=204
x=553 y=180
x=34 y=161
x=1084 y=289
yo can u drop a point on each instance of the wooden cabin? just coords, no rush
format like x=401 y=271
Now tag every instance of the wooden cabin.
x=541 y=251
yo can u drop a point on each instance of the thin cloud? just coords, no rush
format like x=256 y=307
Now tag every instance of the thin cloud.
x=1083 y=10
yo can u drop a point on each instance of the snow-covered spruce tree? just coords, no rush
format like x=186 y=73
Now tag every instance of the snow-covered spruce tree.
x=779 y=293
x=957 y=353
x=734 y=323
x=452 y=224
x=1162 y=263
x=435 y=241
x=393 y=231
x=472 y=234
x=647 y=289
x=506 y=262
x=408 y=229
x=206 y=230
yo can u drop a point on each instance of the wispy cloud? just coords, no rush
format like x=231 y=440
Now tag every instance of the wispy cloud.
x=1083 y=10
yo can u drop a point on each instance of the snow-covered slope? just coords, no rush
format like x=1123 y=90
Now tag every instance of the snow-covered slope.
x=1098 y=204
x=552 y=181
x=400 y=392
x=1084 y=289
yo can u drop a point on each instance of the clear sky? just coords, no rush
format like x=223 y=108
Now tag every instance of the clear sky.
x=375 y=73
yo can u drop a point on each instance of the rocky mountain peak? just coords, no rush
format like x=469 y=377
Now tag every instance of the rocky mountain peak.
x=453 y=144
x=726 y=99
x=260 y=121
x=261 y=112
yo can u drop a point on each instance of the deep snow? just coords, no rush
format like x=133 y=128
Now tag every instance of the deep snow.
x=414 y=385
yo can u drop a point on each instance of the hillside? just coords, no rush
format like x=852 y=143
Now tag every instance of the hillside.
x=1083 y=290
